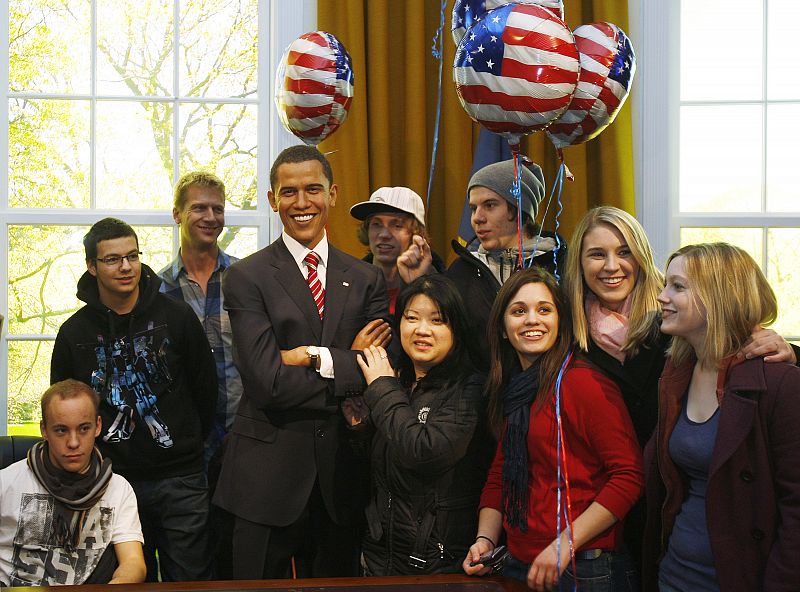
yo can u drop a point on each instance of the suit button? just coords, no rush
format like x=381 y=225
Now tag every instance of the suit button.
x=320 y=433
x=757 y=534
x=746 y=476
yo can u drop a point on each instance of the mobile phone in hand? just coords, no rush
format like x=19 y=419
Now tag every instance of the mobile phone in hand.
x=492 y=558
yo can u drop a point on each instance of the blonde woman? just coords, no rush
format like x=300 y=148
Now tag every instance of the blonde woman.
x=612 y=283
x=723 y=487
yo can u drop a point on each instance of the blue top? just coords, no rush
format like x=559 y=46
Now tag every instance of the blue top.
x=689 y=563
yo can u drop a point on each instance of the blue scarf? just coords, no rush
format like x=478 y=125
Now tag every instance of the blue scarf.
x=517 y=400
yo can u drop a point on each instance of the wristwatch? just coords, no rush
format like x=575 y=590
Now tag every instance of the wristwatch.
x=312 y=351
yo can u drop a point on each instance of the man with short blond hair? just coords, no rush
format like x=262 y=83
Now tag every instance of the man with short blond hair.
x=195 y=276
x=65 y=518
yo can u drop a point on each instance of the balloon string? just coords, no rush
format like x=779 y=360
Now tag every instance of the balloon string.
x=561 y=457
x=558 y=182
x=436 y=51
x=516 y=191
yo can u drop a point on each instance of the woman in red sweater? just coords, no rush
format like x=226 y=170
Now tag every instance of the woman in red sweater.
x=530 y=339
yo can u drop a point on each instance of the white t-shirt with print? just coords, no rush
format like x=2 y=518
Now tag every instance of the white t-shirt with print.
x=27 y=555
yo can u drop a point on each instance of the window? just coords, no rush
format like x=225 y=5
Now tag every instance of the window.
x=718 y=120
x=109 y=102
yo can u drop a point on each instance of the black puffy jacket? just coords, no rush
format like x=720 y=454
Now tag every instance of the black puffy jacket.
x=430 y=454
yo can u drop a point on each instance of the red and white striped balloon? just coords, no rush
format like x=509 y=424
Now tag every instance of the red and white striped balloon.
x=608 y=64
x=314 y=86
x=516 y=70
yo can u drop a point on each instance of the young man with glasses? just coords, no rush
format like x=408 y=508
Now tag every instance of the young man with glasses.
x=148 y=358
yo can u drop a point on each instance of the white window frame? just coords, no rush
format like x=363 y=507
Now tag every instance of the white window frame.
x=655 y=32
x=279 y=23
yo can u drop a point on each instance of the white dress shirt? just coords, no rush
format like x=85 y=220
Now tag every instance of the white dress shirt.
x=298 y=253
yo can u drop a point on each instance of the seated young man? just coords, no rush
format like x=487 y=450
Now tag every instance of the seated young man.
x=65 y=518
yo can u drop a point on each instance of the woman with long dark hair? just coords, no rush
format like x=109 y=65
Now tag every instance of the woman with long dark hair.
x=430 y=449
x=567 y=451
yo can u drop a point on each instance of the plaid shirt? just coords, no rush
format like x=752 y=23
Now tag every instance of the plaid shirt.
x=209 y=309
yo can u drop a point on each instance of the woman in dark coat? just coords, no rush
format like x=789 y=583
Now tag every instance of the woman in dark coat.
x=430 y=448
x=723 y=481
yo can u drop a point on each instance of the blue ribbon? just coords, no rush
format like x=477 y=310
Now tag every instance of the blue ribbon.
x=436 y=51
x=558 y=454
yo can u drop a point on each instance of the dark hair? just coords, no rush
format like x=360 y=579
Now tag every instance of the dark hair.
x=529 y=228
x=105 y=229
x=196 y=179
x=68 y=389
x=458 y=364
x=503 y=357
x=299 y=153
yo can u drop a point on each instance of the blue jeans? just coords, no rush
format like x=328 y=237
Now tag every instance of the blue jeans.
x=174 y=516
x=613 y=571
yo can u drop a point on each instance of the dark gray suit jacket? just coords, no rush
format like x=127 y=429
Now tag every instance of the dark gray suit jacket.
x=289 y=428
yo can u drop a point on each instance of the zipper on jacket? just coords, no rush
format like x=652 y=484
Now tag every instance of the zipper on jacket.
x=389 y=536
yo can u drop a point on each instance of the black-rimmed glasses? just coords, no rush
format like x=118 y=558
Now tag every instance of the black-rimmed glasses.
x=114 y=260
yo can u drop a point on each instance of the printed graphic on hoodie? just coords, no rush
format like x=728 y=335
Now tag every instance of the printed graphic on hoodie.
x=124 y=375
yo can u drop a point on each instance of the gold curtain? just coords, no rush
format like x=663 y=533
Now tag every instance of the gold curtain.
x=387 y=138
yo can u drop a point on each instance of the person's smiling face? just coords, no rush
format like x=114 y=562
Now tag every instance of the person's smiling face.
x=530 y=322
x=609 y=267
x=202 y=216
x=424 y=335
x=302 y=197
x=682 y=312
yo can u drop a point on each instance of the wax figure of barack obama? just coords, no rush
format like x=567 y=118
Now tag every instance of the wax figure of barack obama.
x=298 y=309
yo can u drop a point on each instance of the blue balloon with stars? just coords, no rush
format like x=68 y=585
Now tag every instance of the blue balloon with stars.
x=467 y=12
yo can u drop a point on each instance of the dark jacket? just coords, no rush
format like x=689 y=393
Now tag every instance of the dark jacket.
x=753 y=493
x=154 y=372
x=478 y=287
x=430 y=456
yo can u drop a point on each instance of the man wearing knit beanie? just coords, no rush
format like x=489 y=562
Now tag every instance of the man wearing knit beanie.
x=489 y=259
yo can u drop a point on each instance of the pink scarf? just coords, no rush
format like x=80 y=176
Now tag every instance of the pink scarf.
x=608 y=328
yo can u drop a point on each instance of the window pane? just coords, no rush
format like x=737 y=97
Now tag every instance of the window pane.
x=721 y=49
x=155 y=243
x=784 y=277
x=48 y=154
x=45 y=263
x=49 y=46
x=219 y=61
x=134 y=155
x=134 y=47
x=783 y=154
x=720 y=158
x=749 y=239
x=222 y=138
x=782 y=80
x=28 y=378
x=239 y=241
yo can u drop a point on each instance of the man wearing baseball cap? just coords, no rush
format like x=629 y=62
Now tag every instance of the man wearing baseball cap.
x=393 y=227
x=493 y=255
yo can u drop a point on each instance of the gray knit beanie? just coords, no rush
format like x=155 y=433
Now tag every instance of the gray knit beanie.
x=499 y=177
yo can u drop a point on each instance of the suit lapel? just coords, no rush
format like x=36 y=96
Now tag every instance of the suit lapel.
x=336 y=292
x=289 y=277
x=737 y=415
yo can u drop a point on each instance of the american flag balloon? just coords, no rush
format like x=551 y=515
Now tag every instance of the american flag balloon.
x=516 y=70
x=608 y=64
x=466 y=12
x=314 y=86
